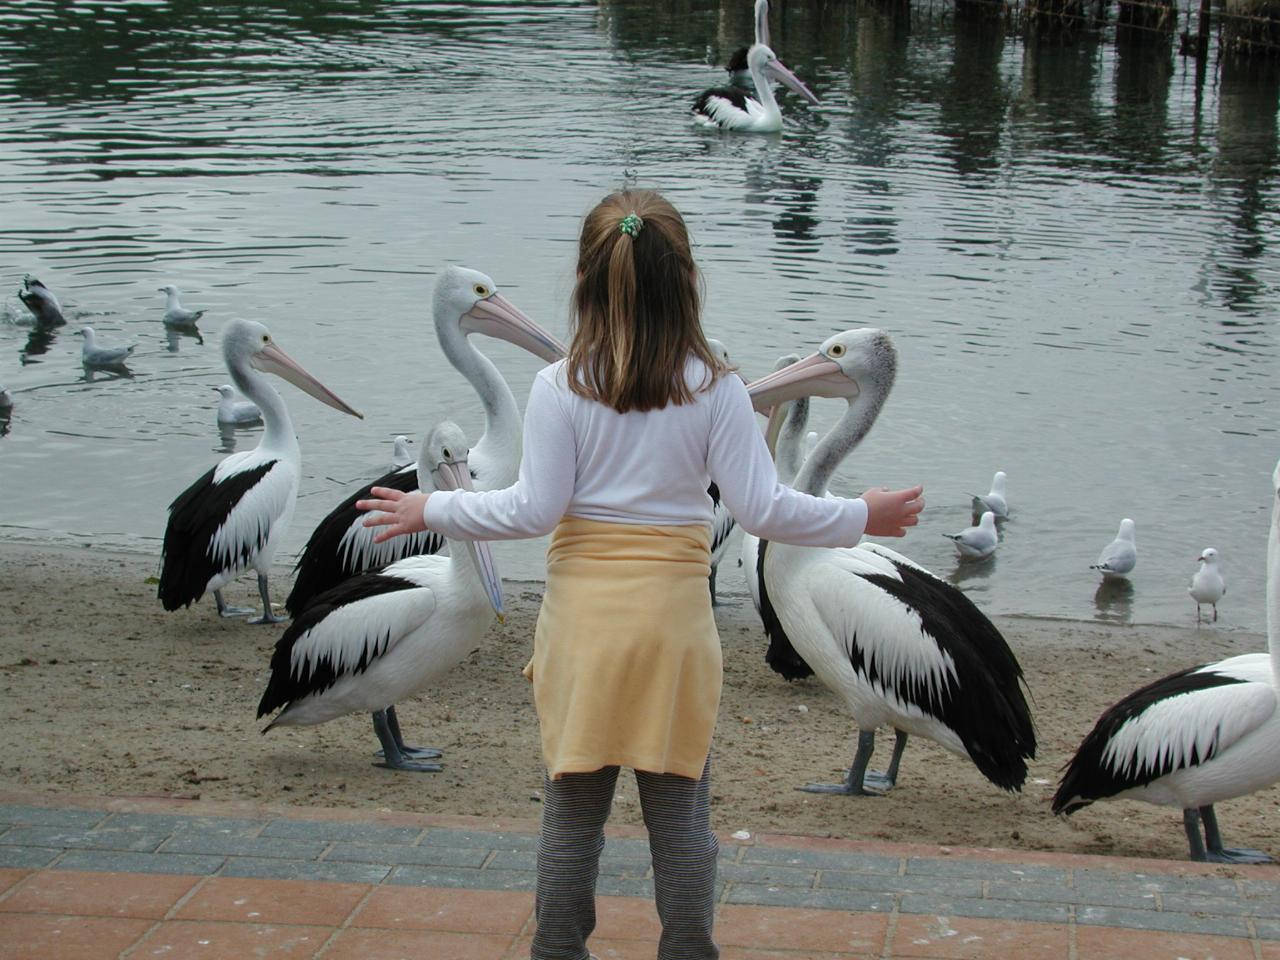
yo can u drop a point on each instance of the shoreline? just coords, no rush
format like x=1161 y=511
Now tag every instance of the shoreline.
x=105 y=694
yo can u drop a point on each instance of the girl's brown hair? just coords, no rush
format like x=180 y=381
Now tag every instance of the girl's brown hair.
x=636 y=306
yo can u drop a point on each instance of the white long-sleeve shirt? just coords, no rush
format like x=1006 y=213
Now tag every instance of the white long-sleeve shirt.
x=584 y=459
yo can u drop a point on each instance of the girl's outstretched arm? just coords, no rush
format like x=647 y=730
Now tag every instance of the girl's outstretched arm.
x=400 y=512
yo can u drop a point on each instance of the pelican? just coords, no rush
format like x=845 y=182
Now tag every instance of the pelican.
x=465 y=302
x=1207 y=586
x=729 y=108
x=722 y=522
x=94 y=354
x=234 y=517
x=995 y=500
x=234 y=411
x=401 y=455
x=1194 y=738
x=381 y=636
x=1120 y=556
x=898 y=645
x=739 y=72
x=39 y=299
x=175 y=314
x=978 y=541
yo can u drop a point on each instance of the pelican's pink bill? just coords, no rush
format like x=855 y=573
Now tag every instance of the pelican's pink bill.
x=780 y=72
x=813 y=376
x=496 y=316
x=456 y=475
x=271 y=359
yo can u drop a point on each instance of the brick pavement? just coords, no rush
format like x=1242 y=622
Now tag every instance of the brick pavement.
x=84 y=879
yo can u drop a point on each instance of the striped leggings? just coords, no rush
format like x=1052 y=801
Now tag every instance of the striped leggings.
x=684 y=849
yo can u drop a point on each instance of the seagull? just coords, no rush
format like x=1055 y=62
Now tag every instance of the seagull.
x=232 y=410
x=175 y=314
x=94 y=354
x=381 y=636
x=401 y=455
x=44 y=306
x=1207 y=586
x=1118 y=558
x=979 y=541
x=6 y=402
x=994 y=500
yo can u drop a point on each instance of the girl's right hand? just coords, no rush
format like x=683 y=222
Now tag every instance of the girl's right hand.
x=890 y=512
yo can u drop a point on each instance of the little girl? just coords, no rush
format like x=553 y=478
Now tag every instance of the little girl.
x=621 y=440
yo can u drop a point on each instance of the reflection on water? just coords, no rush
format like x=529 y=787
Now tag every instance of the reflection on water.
x=1114 y=600
x=1072 y=245
x=234 y=436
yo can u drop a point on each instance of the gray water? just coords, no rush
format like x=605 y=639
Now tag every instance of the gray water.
x=1072 y=247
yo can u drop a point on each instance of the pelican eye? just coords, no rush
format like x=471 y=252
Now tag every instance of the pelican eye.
x=837 y=350
x=481 y=290
x=266 y=338
x=444 y=452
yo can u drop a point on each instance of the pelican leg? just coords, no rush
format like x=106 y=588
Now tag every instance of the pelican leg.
x=417 y=753
x=226 y=611
x=855 y=781
x=1213 y=842
x=884 y=782
x=711 y=582
x=1191 y=824
x=267 y=615
x=393 y=759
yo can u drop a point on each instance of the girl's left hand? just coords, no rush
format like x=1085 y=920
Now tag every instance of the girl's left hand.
x=400 y=512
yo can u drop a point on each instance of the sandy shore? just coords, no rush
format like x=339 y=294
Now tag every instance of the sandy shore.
x=106 y=694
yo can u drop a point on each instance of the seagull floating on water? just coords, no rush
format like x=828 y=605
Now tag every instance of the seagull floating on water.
x=1193 y=738
x=994 y=500
x=1207 y=586
x=39 y=299
x=6 y=402
x=233 y=410
x=175 y=314
x=401 y=455
x=94 y=354
x=730 y=108
x=1120 y=556
x=977 y=542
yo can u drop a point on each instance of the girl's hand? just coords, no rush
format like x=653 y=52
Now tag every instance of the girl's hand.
x=890 y=512
x=400 y=512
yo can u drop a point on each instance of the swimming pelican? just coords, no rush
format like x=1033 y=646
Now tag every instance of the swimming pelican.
x=232 y=410
x=732 y=109
x=465 y=302
x=979 y=541
x=380 y=637
x=1120 y=556
x=234 y=517
x=401 y=455
x=995 y=500
x=175 y=314
x=1207 y=586
x=94 y=354
x=1194 y=738
x=897 y=644
x=739 y=72
x=44 y=306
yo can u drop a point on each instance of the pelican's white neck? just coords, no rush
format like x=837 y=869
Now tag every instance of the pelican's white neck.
x=278 y=435
x=815 y=476
x=502 y=424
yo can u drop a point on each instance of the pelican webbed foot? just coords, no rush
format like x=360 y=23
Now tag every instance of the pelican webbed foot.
x=393 y=757
x=1212 y=850
x=861 y=782
x=268 y=615
x=415 y=753
x=227 y=611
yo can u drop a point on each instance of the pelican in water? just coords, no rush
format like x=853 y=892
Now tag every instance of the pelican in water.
x=1207 y=586
x=1194 y=738
x=1120 y=556
x=382 y=636
x=233 y=518
x=95 y=354
x=234 y=411
x=730 y=108
x=465 y=302
x=898 y=645
x=739 y=72
x=175 y=314
x=39 y=299
x=994 y=500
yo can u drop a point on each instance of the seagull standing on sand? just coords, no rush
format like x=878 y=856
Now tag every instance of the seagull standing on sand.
x=1207 y=586
x=175 y=314
x=94 y=354
x=39 y=299
x=1120 y=556
x=994 y=500
x=233 y=410
x=977 y=542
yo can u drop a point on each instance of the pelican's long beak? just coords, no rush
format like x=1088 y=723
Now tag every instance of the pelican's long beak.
x=814 y=376
x=456 y=475
x=779 y=71
x=496 y=316
x=271 y=359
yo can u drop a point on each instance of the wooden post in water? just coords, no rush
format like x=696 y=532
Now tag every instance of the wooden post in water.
x=1251 y=26
x=1055 y=19
x=1158 y=15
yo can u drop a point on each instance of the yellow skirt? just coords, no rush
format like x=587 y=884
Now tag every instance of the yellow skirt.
x=626 y=663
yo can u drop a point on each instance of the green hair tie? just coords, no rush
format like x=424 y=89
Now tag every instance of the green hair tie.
x=630 y=225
